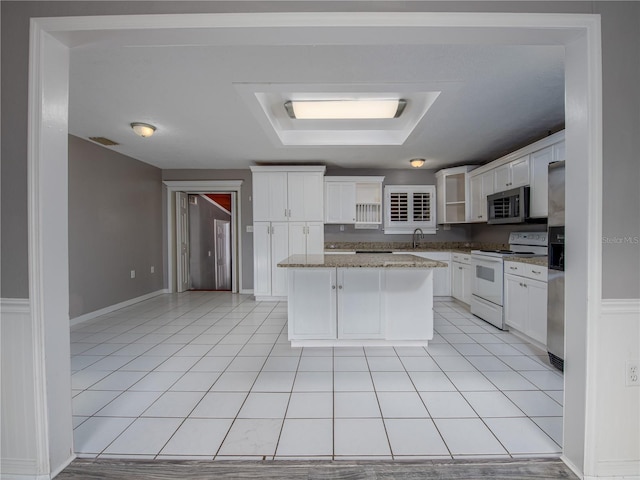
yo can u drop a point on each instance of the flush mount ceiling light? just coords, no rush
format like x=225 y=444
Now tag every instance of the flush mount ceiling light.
x=345 y=109
x=417 y=162
x=143 y=129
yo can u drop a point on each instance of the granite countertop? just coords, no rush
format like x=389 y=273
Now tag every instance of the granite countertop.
x=360 y=260
x=539 y=261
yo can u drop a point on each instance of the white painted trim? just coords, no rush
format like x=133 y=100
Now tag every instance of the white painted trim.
x=621 y=306
x=215 y=204
x=64 y=465
x=566 y=29
x=289 y=168
x=621 y=470
x=571 y=466
x=111 y=308
x=15 y=305
x=205 y=186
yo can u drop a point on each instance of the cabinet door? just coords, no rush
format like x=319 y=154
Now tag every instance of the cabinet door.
x=262 y=259
x=487 y=189
x=340 y=202
x=538 y=203
x=519 y=172
x=466 y=284
x=359 y=303
x=279 y=251
x=476 y=197
x=315 y=238
x=312 y=303
x=442 y=280
x=269 y=196
x=456 y=280
x=305 y=196
x=297 y=238
x=559 y=152
x=502 y=178
x=515 y=303
x=537 y=320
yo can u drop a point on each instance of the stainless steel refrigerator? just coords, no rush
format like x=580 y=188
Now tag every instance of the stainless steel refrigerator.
x=556 y=252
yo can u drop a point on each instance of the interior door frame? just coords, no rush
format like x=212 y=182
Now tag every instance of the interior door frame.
x=201 y=187
x=47 y=162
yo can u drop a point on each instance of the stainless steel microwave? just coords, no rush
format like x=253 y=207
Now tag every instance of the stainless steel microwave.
x=510 y=206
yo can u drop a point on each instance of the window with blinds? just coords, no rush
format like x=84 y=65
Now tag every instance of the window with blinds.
x=409 y=207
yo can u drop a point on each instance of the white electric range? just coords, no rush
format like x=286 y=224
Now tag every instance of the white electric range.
x=487 y=274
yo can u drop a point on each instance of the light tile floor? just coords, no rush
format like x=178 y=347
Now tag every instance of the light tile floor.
x=211 y=375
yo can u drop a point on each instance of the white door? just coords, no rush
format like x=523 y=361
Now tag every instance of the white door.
x=538 y=203
x=520 y=172
x=297 y=238
x=537 y=321
x=182 y=241
x=315 y=238
x=222 y=230
x=515 y=303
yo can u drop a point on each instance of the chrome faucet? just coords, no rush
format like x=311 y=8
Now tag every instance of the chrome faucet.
x=417 y=233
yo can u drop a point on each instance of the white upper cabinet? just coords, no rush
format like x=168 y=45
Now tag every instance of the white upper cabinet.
x=480 y=186
x=540 y=160
x=512 y=175
x=453 y=194
x=353 y=200
x=305 y=193
x=288 y=194
x=270 y=196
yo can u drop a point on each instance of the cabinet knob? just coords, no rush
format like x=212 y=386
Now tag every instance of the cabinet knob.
x=333 y=287
x=340 y=287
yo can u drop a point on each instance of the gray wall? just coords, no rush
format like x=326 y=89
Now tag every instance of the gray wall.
x=621 y=102
x=115 y=226
x=246 y=209
x=202 y=242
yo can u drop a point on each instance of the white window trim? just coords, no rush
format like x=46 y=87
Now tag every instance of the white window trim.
x=429 y=227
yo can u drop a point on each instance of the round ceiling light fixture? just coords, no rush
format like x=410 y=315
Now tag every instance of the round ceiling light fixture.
x=417 y=162
x=143 y=129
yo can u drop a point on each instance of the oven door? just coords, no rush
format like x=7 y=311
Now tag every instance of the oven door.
x=487 y=278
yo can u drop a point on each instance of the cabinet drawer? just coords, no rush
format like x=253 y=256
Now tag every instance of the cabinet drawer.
x=462 y=258
x=536 y=272
x=515 y=268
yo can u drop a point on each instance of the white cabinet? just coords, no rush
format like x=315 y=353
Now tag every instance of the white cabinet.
x=270 y=246
x=512 y=175
x=288 y=210
x=359 y=303
x=353 y=200
x=312 y=302
x=480 y=186
x=453 y=194
x=441 y=276
x=360 y=306
x=525 y=298
x=539 y=192
x=306 y=238
x=461 y=277
x=282 y=195
x=340 y=202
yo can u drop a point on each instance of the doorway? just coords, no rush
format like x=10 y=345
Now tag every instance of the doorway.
x=209 y=234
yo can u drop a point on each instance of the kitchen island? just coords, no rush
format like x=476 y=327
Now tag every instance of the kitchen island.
x=360 y=299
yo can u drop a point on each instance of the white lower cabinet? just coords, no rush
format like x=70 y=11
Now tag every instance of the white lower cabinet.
x=441 y=276
x=360 y=306
x=525 y=300
x=270 y=246
x=461 y=278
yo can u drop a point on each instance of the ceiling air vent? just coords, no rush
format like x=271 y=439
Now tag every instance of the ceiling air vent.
x=104 y=141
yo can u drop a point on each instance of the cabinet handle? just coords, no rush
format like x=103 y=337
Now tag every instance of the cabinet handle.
x=289 y=213
x=339 y=287
x=479 y=216
x=513 y=268
x=537 y=273
x=459 y=268
x=285 y=212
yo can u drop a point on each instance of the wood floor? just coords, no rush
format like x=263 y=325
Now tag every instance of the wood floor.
x=547 y=469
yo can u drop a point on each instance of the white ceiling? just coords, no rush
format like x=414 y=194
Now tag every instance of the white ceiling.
x=198 y=88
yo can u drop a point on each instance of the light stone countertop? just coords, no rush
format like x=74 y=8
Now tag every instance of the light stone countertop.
x=360 y=260
x=539 y=261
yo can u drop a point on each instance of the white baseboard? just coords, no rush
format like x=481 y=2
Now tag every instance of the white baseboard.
x=572 y=466
x=91 y=315
x=21 y=469
x=246 y=291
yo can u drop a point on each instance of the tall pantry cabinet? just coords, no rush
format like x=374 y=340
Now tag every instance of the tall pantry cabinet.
x=288 y=216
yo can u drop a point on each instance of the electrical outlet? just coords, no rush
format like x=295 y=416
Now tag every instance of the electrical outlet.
x=153 y=269
x=133 y=274
x=632 y=373
x=342 y=228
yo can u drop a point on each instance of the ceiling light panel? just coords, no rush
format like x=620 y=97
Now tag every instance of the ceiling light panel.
x=359 y=109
